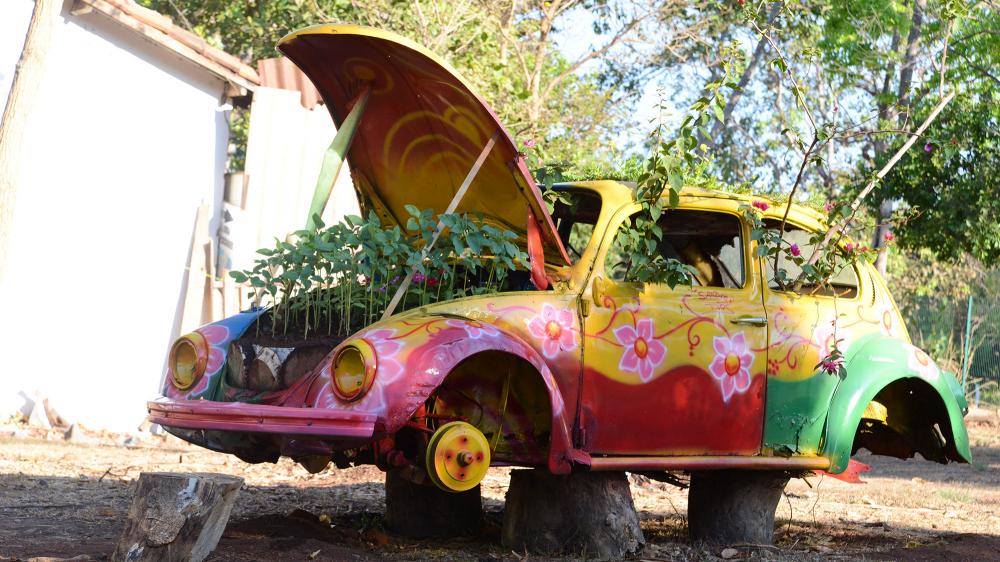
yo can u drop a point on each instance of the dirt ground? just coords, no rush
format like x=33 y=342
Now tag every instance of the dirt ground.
x=63 y=499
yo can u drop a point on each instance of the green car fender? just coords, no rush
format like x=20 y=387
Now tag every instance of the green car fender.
x=922 y=402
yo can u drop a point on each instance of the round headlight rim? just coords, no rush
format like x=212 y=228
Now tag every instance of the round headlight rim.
x=200 y=345
x=368 y=357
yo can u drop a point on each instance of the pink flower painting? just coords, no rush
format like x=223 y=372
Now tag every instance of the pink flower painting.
x=389 y=368
x=731 y=366
x=643 y=353
x=216 y=335
x=922 y=364
x=474 y=330
x=554 y=328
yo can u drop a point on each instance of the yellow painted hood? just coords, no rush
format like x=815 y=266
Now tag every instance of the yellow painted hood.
x=421 y=131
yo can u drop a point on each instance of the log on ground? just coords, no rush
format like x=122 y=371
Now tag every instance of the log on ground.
x=587 y=514
x=176 y=516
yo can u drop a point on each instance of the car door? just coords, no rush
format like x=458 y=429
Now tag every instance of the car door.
x=676 y=371
x=805 y=324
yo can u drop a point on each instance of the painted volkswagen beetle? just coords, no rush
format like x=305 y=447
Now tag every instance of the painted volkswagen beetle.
x=586 y=370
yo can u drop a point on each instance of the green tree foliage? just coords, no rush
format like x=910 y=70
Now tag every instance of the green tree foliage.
x=871 y=71
x=953 y=181
x=507 y=50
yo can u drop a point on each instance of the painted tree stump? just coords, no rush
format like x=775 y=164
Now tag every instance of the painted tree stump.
x=176 y=517
x=588 y=514
x=424 y=511
x=733 y=506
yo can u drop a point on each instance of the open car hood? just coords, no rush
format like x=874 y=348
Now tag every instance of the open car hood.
x=422 y=130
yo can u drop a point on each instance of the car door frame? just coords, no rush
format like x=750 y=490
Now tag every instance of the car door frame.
x=752 y=291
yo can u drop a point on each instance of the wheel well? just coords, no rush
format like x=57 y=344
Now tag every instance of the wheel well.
x=904 y=418
x=474 y=390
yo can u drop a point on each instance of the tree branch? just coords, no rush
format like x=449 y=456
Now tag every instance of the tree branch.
x=842 y=225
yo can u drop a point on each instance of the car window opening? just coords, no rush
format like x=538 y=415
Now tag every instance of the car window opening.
x=710 y=243
x=843 y=283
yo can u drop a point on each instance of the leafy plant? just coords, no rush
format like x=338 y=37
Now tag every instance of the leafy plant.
x=338 y=279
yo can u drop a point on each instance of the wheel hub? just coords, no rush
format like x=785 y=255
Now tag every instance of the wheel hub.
x=458 y=456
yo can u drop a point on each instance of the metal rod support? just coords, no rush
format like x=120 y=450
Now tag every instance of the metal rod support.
x=440 y=225
x=334 y=158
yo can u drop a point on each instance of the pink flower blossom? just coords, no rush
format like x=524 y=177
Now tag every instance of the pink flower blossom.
x=794 y=250
x=555 y=330
x=643 y=352
x=530 y=143
x=849 y=247
x=761 y=205
x=731 y=366
x=831 y=366
x=889 y=236
x=828 y=206
x=929 y=147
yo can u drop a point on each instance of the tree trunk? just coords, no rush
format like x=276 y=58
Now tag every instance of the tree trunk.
x=23 y=92
x=732 y=506
x=176 y=517
x=423 y=510
x=589 y=514
x=903 y=97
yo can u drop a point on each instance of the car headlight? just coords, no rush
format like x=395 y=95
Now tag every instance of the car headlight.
x=353 y=371
x=187 y=361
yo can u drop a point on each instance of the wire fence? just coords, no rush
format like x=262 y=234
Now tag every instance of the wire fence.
x=963 y=337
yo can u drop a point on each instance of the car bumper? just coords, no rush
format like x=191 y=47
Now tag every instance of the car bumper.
x=258 y=418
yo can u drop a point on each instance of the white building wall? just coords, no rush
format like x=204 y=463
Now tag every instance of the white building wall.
x=14 y=18
x=126 y=141
x=285 y=152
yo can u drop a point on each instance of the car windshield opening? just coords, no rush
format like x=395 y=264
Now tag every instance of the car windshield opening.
x=575 y=213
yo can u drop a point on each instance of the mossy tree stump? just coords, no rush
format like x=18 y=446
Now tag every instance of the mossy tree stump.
x=587 y=514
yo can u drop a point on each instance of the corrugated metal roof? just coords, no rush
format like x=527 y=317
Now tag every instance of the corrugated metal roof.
x=282 y=73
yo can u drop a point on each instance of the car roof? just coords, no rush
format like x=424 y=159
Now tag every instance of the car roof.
x=620 y=193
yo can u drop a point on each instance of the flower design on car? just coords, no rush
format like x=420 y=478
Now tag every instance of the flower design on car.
x=389 y=369
x=555 y=330
x=827 y=335
x=474 y=329
x=643 y=352
x=217 y=336
x=922 y=364
x=731 y=366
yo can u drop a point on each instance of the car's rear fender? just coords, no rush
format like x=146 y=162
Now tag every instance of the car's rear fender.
x=426 y=350
x=918 y=405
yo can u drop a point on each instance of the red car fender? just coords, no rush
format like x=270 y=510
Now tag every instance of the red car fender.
x=433 y=349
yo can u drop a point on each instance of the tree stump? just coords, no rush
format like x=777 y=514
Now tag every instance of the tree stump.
x=176 y=517
x=589 y=514
x=423 y=510
x=734 y=506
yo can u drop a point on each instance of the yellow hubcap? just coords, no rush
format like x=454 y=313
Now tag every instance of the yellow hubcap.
x=458 y=457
